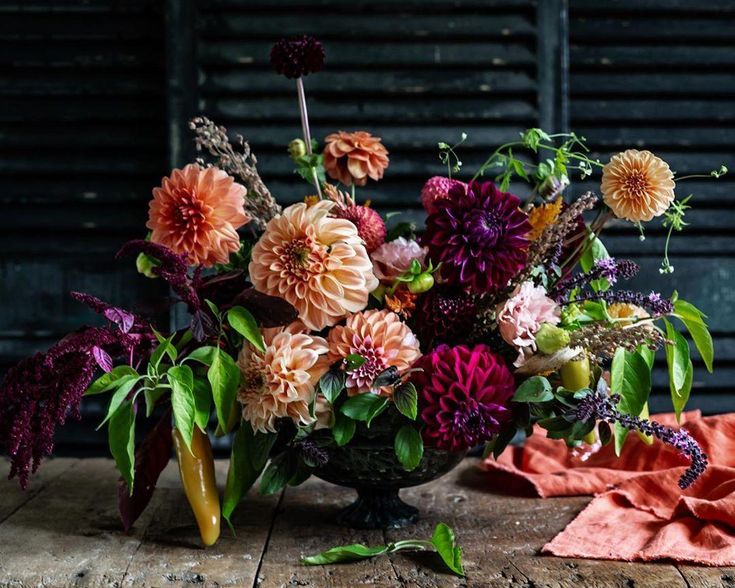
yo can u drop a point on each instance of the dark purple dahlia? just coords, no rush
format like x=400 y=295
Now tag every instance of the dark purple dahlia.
x=297 y=57
x=443 y=315
x=479 y=236
x=464 y=395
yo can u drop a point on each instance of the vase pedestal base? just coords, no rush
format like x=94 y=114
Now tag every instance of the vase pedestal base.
x=378 y=509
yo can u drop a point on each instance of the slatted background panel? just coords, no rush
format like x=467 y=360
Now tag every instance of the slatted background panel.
x=82 y=141
x=660 y=75
x=413 y=72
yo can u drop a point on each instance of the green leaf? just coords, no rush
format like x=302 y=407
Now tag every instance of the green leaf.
x=244 y=323
x=125 y=386
x=203 y=355
x=409 y=447
x=534 y=389
x=693 y=319
x=354 y=361
x=331 y=384
x=444 y=542
x=182 y=401
x=677 y=358
x=202 y=402
x=630 y=377
x=648 y=354
x=247 y=459
x=110 y=380
x=121 y=438
x=364 y=407
x=594 y=251
x=354 y=552
x=405 y=397
x=343 y=429
x=151 y=397
x=224 y=377
x=276 y=476
x=165 y=347
x=680 y=400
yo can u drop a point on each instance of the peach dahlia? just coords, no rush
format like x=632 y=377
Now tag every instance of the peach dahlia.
x=317 y=263
x=197 y=211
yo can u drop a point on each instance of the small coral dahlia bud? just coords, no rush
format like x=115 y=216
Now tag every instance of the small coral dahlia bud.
x=370 y=225
x=297 y=57
x=296 y=149
x=436 y=188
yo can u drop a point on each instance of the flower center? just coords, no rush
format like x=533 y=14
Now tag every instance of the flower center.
x=636 y=184
x=373 y=365
x=474 y=422
x=484 y=228
x=190 y=213
x=302 y=259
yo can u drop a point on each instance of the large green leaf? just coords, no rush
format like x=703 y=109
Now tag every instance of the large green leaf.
x=409 y=447
x=343 y=429
x=248 y=457
x=405 y=397
x=594 y=251
x=244 y=323
x=680 y=400
x=677 y=358
x=224 y=378
x=534 y=389
x=630 y=377
x=444 y=542
x=202 y=402
x=121 y=438
x=125 y=386
x=364 y=407
x=693 y=319
x=110 y=380
x=181 y=379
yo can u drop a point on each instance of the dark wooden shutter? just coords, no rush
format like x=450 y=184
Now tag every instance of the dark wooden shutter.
x=82 y=141
x=660 y=75
x=412 y=72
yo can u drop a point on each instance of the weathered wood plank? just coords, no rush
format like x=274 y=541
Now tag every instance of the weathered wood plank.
x=705 y=577
x=171 y=553
x=305 y=526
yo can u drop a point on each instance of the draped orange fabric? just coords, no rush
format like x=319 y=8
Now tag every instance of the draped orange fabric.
x=639 y=512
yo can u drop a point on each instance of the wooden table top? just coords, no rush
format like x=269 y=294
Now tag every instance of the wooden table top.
x=64 y=531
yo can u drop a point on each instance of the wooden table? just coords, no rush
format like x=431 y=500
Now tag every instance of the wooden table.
x=64 y=532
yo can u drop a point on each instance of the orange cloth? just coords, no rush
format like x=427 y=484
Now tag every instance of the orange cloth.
x=639 y=512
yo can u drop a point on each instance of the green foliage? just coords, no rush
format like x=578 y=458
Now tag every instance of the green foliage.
x=409 y=447
x=244 y=323
x=331 y=384
x=182 y=401
x=343 y=429
x=534 y=389
x=202 y=402
x=681 y=369
x=125 y=386
x=693 y=320
x=442 y=541
x=278 y=473
x=111 y=380
x=405 y=397
x=364 y=407
x=121 y=438
x=248 y=456
x=630 y=377
x=224 y=378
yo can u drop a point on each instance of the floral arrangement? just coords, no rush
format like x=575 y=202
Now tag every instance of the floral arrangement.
x=501 y=315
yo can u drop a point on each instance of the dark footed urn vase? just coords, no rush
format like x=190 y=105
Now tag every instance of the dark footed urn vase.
x=369 y=465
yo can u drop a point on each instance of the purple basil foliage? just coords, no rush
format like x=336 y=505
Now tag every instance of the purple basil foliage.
x=599 y=405
x=610 y=269
x=174 y=268
x=653 y=302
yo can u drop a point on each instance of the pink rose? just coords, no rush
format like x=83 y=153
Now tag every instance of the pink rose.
x=393 y=259
x=520 y=317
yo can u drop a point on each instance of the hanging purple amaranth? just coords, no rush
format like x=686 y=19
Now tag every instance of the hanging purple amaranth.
x=599 y=406
x=173 y=267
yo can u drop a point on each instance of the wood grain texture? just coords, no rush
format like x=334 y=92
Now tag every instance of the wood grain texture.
x=64 y=532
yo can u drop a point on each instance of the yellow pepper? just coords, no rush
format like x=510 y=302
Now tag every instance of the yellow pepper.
x=200 y=486
x=575 y=375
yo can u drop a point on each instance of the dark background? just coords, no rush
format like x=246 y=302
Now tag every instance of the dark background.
x=95 y=95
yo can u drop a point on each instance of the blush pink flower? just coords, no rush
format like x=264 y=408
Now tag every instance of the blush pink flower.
x=198 y=211
x=393 y=259
x=281 y=383
x=520 y=317
x=380 y=338
x=315 y=262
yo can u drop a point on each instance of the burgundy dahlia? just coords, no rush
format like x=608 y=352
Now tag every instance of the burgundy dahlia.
x=443 y=315
x=297 y=57
x=464 y=395
x=479 y=236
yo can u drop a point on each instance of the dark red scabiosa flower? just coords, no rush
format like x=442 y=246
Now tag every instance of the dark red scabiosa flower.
x=443 y=315
x=479 y=236
x=297 y=57
x=464 y=395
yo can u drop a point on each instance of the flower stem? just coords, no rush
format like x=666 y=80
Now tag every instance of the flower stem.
x=305 y=130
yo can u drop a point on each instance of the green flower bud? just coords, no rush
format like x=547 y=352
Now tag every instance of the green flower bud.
x=551 y=339
x=296 y=149
x=145 y=264
x=421 y=283
x=569 y=314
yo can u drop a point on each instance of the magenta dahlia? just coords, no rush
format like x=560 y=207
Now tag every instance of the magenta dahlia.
x=464 y=395
x=479 y=235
